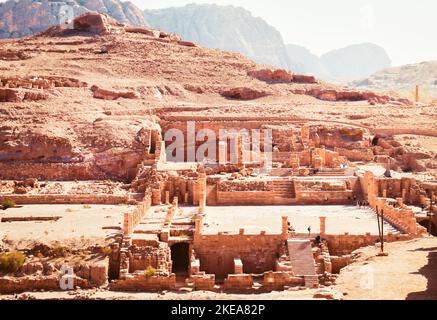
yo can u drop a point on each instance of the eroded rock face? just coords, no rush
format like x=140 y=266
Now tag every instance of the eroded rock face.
x=338 y=94
x=99 y=93
x=244 y=94
x=25 y=17
x=18 y=89
x=19 y=95
x=270 y=75
x=94 y=22
x=13 y=55
x=16 y=145
x=224 y=27
x=280 y=76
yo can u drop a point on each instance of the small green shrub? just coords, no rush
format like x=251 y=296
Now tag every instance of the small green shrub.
x=8 y=203
x=150 y=271
x=11 y=261
x=106 y=251
x=59 y=252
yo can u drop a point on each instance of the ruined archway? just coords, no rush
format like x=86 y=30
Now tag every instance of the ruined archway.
x=180 y=257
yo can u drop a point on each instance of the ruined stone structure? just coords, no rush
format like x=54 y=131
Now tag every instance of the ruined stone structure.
x=252 y=217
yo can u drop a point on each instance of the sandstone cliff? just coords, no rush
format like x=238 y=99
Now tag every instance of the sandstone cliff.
x=224 y=27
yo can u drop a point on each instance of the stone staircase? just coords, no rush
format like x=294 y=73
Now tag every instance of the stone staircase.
x=181 y=231
x=311 y=281
x=284 y=189
x=301 y=257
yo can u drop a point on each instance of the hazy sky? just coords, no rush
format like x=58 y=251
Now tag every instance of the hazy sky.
x=407 y=29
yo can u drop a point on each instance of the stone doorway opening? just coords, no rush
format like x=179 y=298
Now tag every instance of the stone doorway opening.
x=180 y=257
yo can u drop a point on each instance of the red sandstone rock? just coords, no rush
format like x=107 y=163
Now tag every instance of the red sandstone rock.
x=146 y=31
x=94 y=22
x=299 y=78
x=244 y=94
x=270 y=75
x=187 y=43
x=12 y=55
x=112 y=95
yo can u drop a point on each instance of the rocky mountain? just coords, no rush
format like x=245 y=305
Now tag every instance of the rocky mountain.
x=404 y=79
x=306 y=62
x=350 y=63
x=24 y=17
x=355 y=61
x=224 y=27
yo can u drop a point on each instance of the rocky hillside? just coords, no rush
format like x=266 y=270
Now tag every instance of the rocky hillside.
x=224 y=27
x=86 y=98
x=24 y=17
x=404 y=79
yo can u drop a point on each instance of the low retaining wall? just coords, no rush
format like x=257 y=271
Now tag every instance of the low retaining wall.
x=137 y=282
x=66 y=199
x=216 y=253
x=9 y=285
x=344 y=244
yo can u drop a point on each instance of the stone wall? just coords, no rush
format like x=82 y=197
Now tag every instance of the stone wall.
x=217 y=252
x=132 y=219
x=344 y=244
x=66 y=199
x=141 y=281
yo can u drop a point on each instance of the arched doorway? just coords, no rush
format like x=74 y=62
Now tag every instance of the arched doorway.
x=180 y=257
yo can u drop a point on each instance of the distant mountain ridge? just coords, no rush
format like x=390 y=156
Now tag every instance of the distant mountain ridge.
x=353 y=62
x=227 y=28
x=224 y=27
x=24 y=17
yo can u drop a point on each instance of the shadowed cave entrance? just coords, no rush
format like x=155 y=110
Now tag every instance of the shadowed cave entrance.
x=180 y=257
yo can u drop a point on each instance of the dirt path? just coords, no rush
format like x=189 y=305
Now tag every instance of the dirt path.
x=409 y=272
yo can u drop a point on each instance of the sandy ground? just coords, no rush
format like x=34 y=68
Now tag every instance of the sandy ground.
x=422 y=142
x=339 y=219
x=195 y=295
x=408 y=272
x=79 y=225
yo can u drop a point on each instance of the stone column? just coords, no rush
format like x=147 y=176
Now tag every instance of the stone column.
x=197 y=228
x=126 y=224
x=202 y=192
x=167 y=198
x=284 y=227
x=223 y=152
x=240 y=150
x=156 y=197
x=322 y=225
x=305 y=134
x=294 y=161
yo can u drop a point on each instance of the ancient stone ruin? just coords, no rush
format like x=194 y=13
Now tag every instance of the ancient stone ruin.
x=105 y=158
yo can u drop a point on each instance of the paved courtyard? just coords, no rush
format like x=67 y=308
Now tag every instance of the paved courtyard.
x=339 y=219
